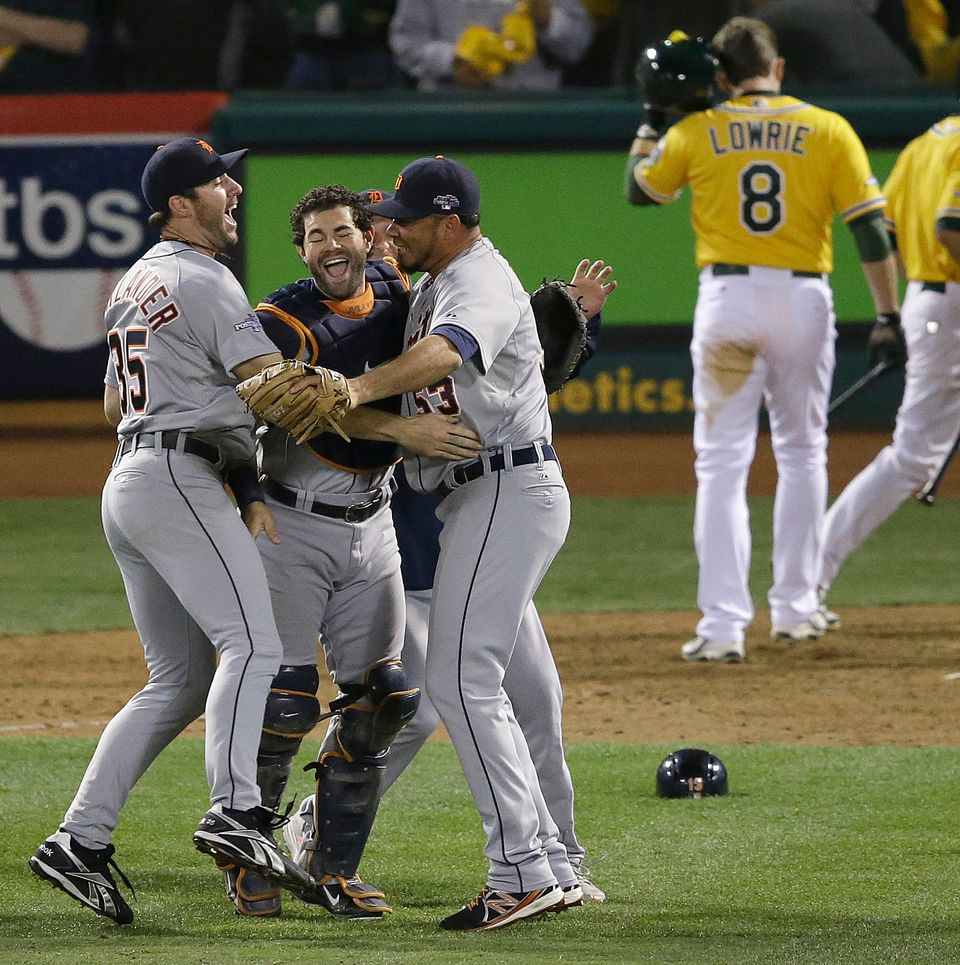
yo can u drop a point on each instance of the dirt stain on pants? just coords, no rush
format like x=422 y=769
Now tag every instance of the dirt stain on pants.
x=726 y=368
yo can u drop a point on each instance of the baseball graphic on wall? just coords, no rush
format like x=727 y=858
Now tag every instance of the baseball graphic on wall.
x=58 y=310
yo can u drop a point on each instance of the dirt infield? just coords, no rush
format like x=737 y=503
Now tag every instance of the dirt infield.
x=65 y=449
x=882 y=679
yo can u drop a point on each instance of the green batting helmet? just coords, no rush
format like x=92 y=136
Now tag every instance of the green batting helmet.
x=678 y=74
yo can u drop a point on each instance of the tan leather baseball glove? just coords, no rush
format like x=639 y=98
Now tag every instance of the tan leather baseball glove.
x=312 y=410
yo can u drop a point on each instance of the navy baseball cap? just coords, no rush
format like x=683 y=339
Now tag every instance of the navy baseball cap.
x=181 y=164
x=432 y=185
x=371 y=196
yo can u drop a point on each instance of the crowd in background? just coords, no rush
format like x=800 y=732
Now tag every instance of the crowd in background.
x=432 y=45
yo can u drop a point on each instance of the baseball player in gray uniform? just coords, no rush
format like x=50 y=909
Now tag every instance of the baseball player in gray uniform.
x=180 y=335
x=531 y=680
x=335 y=570
x=471 y=349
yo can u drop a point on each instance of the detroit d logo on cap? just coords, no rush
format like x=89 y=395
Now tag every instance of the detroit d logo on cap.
x=446 y=201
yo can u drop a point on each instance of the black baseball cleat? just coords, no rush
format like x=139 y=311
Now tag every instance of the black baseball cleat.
x=349 y=898
x=497 y=909
x=84 y=874
x=243 y=838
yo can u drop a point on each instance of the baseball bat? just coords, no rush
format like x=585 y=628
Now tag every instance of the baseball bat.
x=864 y=380
x=928 y=494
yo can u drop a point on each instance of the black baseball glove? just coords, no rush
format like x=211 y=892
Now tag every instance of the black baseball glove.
x=562 y=328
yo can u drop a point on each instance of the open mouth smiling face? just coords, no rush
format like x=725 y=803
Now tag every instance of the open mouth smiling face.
x=335 y=251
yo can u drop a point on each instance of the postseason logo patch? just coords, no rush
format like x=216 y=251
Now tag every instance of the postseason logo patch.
x=251 y=322
x=446 y=202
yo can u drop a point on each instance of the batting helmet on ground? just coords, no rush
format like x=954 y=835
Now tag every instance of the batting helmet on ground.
x=678 y=74
x=691 y=773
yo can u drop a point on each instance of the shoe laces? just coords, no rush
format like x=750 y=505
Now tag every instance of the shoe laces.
x=104 y=859
x=473 y=902
x=270 y=821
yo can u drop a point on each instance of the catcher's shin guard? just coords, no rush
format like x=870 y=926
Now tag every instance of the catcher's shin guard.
x=291 y=712
x=350 y=767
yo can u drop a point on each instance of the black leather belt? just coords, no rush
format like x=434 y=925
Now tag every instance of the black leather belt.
x=934 y=286
x=356 y=513
x=722 y=269
x=170 y=439
x=526 y=456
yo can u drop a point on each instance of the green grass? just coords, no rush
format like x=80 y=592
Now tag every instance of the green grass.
x=817 y=856
x=57 y=574
x=56 y=571
x=624 y=554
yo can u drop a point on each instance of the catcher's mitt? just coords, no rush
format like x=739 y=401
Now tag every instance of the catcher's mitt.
x=562 y=328
x=304 y=415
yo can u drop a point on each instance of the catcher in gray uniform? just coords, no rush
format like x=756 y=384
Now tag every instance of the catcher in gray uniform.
x=335 y=569
x=180 y=335
x=471 y=350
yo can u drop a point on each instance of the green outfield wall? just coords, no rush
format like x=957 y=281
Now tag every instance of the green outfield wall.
x=551 y=171
x=545 y=211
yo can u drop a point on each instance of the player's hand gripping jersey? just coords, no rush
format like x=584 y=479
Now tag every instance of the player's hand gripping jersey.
x=767 y=174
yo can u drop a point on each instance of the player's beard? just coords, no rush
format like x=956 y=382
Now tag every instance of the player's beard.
x=221 y=232
x=349 y=284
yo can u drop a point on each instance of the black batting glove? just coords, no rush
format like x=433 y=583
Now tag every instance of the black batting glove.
x=652 y=123
x=886 y=342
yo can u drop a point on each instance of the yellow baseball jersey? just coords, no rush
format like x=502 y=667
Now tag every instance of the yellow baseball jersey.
x=923 y=187
x=766 y=174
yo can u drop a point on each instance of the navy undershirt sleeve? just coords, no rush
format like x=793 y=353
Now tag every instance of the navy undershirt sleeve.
x=463 y=341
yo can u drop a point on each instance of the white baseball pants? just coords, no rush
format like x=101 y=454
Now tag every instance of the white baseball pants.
x=763 y=336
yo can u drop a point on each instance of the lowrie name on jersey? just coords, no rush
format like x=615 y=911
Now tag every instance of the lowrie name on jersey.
x=765 y=135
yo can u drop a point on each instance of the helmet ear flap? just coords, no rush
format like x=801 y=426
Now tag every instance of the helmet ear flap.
x=691 y=773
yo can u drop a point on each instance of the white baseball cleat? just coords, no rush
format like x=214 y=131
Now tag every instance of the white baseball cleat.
x=299 y=831
x=589 y=890
x=825 y=618
x=700 y=648
x=572 y=896
x=804 y=630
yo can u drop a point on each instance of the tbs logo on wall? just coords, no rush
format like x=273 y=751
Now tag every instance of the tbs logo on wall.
x=72 y=220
